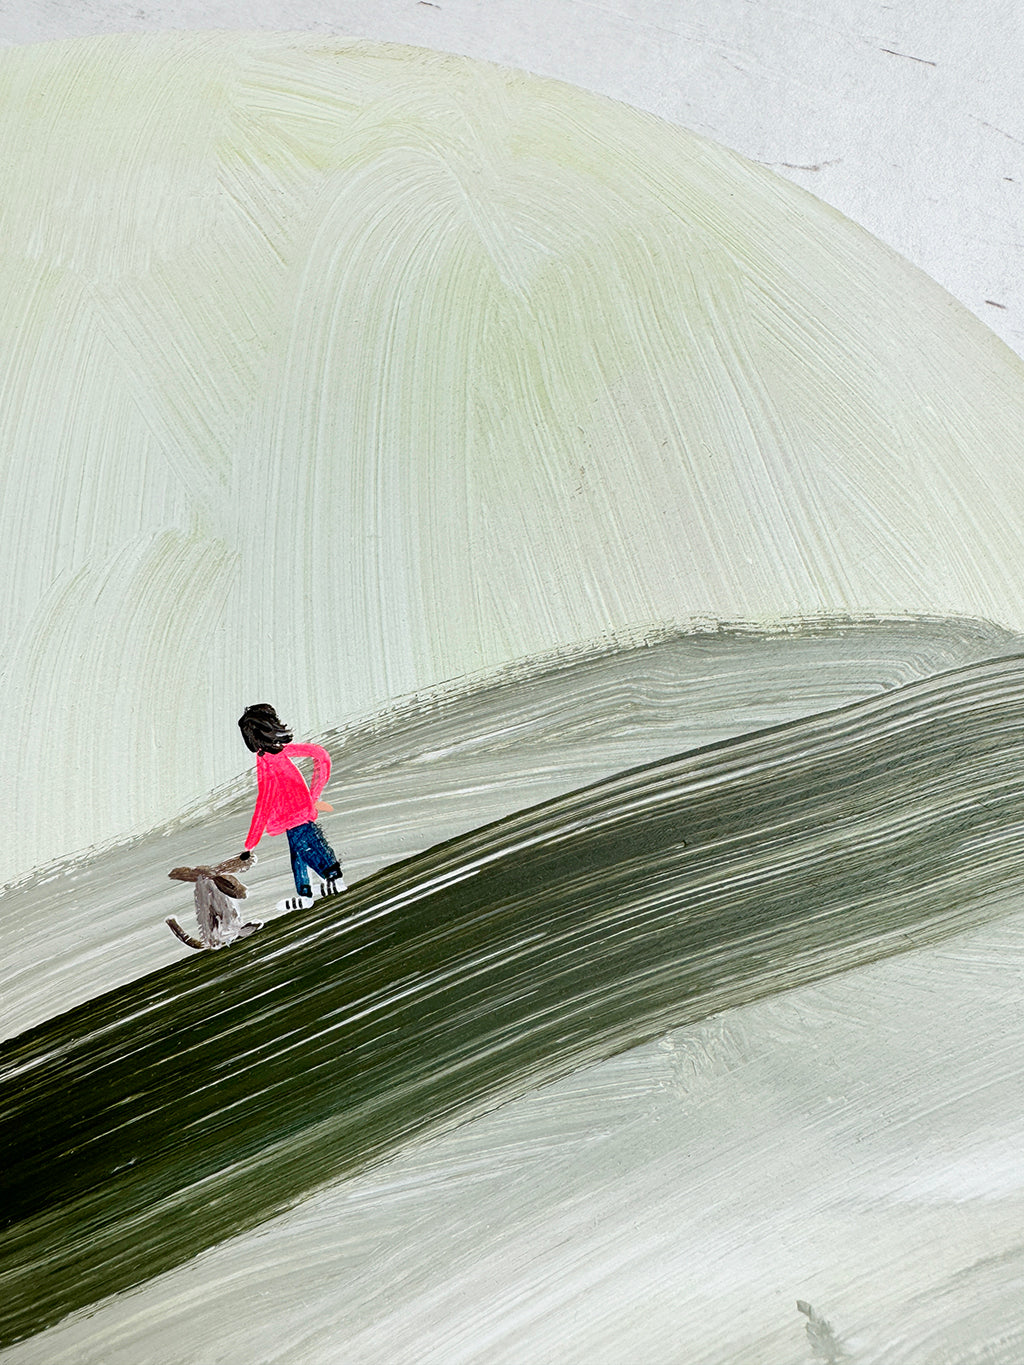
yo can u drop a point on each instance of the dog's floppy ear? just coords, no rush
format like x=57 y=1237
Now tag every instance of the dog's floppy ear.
x=236 y=864
x=231 y=886
x=184 y=874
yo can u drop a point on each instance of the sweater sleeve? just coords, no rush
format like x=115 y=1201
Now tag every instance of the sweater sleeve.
x=321 y=765
x=259 y=817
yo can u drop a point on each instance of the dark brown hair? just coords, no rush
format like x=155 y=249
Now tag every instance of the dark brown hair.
x=262 y=729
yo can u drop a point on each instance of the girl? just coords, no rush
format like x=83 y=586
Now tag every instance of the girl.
x=284 y=804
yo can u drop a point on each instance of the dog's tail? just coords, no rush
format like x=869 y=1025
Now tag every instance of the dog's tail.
x=179 y=932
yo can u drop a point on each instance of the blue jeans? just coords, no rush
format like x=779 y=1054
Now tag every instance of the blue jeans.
x=309 y=849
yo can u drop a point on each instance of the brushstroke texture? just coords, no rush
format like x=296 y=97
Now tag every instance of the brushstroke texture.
x=670 y=1204
x=441 y=763
x=331 y=371
x=176 y=1111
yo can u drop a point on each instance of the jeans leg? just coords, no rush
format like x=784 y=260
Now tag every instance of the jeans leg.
x=299 y=870
x=319 y=853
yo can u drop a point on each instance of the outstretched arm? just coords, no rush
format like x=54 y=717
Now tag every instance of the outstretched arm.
x=260 y=816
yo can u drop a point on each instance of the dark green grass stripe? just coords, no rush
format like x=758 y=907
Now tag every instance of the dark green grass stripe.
x=144 y=1126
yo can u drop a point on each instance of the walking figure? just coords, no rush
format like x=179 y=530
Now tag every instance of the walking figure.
x=286 y=805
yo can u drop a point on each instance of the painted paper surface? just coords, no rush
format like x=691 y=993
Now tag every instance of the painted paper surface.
x=512 y=440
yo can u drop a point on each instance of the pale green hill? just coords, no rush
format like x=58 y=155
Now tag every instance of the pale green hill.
x=331 y=371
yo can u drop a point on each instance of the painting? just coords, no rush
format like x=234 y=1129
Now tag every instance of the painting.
x=619 y=539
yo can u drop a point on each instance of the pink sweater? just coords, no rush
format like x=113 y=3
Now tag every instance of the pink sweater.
x=283 y=800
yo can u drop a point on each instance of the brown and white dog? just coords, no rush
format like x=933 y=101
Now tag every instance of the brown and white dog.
x=217 y=895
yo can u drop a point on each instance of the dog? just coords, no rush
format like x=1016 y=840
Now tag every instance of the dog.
x=217 y=893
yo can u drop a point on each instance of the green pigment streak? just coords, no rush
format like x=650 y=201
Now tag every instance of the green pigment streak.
x=155 y=1121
